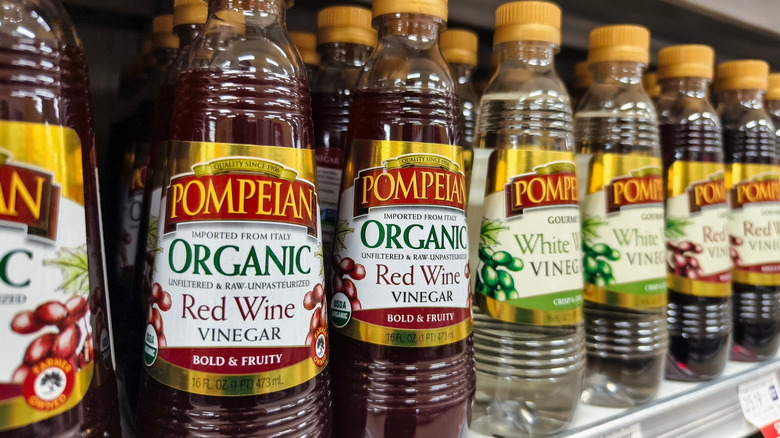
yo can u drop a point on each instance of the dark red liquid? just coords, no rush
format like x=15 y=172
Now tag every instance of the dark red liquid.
x=238 y=107
x=41 y=83
x=756 y=309
x=699 y=327
x=383 y=391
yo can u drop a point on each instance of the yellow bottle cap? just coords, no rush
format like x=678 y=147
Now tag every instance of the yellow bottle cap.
x=774 y=87
x=528 y=21
x=686 y=61
x=650 y=84
x=437 y=8
x=162 y=32
x=232 y=18
x=582 y=75
x=625 y=42
x=459 y=46
x=345 y=24
x=306 y=43
x=748 y=74
x=190 y=12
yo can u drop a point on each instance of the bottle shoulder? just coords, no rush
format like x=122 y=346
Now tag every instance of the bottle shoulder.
x=395 y=65
x=335 y=77
x=628 y=100
x=686 y=110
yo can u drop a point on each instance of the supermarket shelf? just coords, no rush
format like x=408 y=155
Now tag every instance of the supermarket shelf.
x=679 y=410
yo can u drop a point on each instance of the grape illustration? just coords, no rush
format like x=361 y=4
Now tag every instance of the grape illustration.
x=595 y=263
x=494 y=278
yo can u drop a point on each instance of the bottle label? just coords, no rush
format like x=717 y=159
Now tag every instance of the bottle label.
x=400 y=273
x=47 y=362
x=237 y=305
x=754 y=223
x=697 y=245
x=623 y=230
x=529 y=245
x=330 y=162
x=133 y=193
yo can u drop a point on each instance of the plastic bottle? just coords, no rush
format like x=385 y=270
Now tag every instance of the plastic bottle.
x=459 y=48
x=306 y=43
x=56 y=373
x=399 y=302
x=237 y=304
x=697 y=245
x=582 y=80
x=345 y=41
x=773 y=100
x=189 y=18
x=529 y=340
x=621 y=200
x=651 y=85
x=750 y=146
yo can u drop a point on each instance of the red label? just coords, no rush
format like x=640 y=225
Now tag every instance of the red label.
x=231 y=360
x=30 y=198
x=752 y=192
x=705 y=194
x=241 y=197
x=383 y=187
x=531 y=191
x=624 y=192
x=330 y=157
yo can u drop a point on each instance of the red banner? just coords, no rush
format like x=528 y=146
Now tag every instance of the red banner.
x=235 y=360
x=382 y=187
x=413 y=318
x=752 y=192
x=532 y=191
x=628 y=191
x=30 y=198
x=706 y=194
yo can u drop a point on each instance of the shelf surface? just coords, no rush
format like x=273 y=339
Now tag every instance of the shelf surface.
x=679 y=409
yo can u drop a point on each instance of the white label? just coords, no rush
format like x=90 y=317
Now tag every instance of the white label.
x=760 y=400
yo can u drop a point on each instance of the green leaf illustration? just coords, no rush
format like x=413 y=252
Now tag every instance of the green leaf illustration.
x=590 y=225
x=152 y=234
x=342 y=229
x=74 y=265
x=675 y=227
x=488 y=231
x=321 y=255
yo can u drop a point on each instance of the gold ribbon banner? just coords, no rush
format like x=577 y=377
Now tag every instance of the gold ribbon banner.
x=606 y=167
x=393 y=337
x=233 y=385
x=245 y=164
x=739 y=172
x=683 y=173
x=696 y=287
x=421 y=160
x=754 y=278
x=15 y=412
x=601 y=295
x=521 y=160
x=510 y=313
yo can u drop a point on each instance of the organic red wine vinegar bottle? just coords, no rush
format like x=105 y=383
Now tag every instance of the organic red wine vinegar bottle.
x=399 y=301
x=236 y=338
x=56 y=372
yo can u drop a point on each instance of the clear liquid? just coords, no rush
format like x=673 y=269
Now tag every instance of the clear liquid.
x=626 y=347
x=528 y=377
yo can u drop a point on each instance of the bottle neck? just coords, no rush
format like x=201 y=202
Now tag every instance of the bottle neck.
x=691 y=87
x=419 y=30
x=266 y=12
x=462 y=73
x=535 y=55
x=617 y=72
x=344 y=53
x=747 y=98
x=187 y=33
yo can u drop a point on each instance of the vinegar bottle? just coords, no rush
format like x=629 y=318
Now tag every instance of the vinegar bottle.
x=459 y=48
x=621 y=199
x=306 y=43
x=773 y=101
x=189 y=18
x=399 y=301
x=56 y=373
x=651 y=85
x=345 y=41
x=698 y=264
x=529 y=340
x=236 y=342
x=582 y=80
x=750 y=147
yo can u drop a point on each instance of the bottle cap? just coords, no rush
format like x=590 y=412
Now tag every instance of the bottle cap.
x=232 y=18
x=190 y=12
x=162 y=32
x=748 y=74
x=459 y=46
x=528 y=21
x=437 y=8
x=582 y=75
x=625 y=42
x=686 y=61
x=650 y=84
x=306 y=43
x=345 y=24
x=774 y=87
